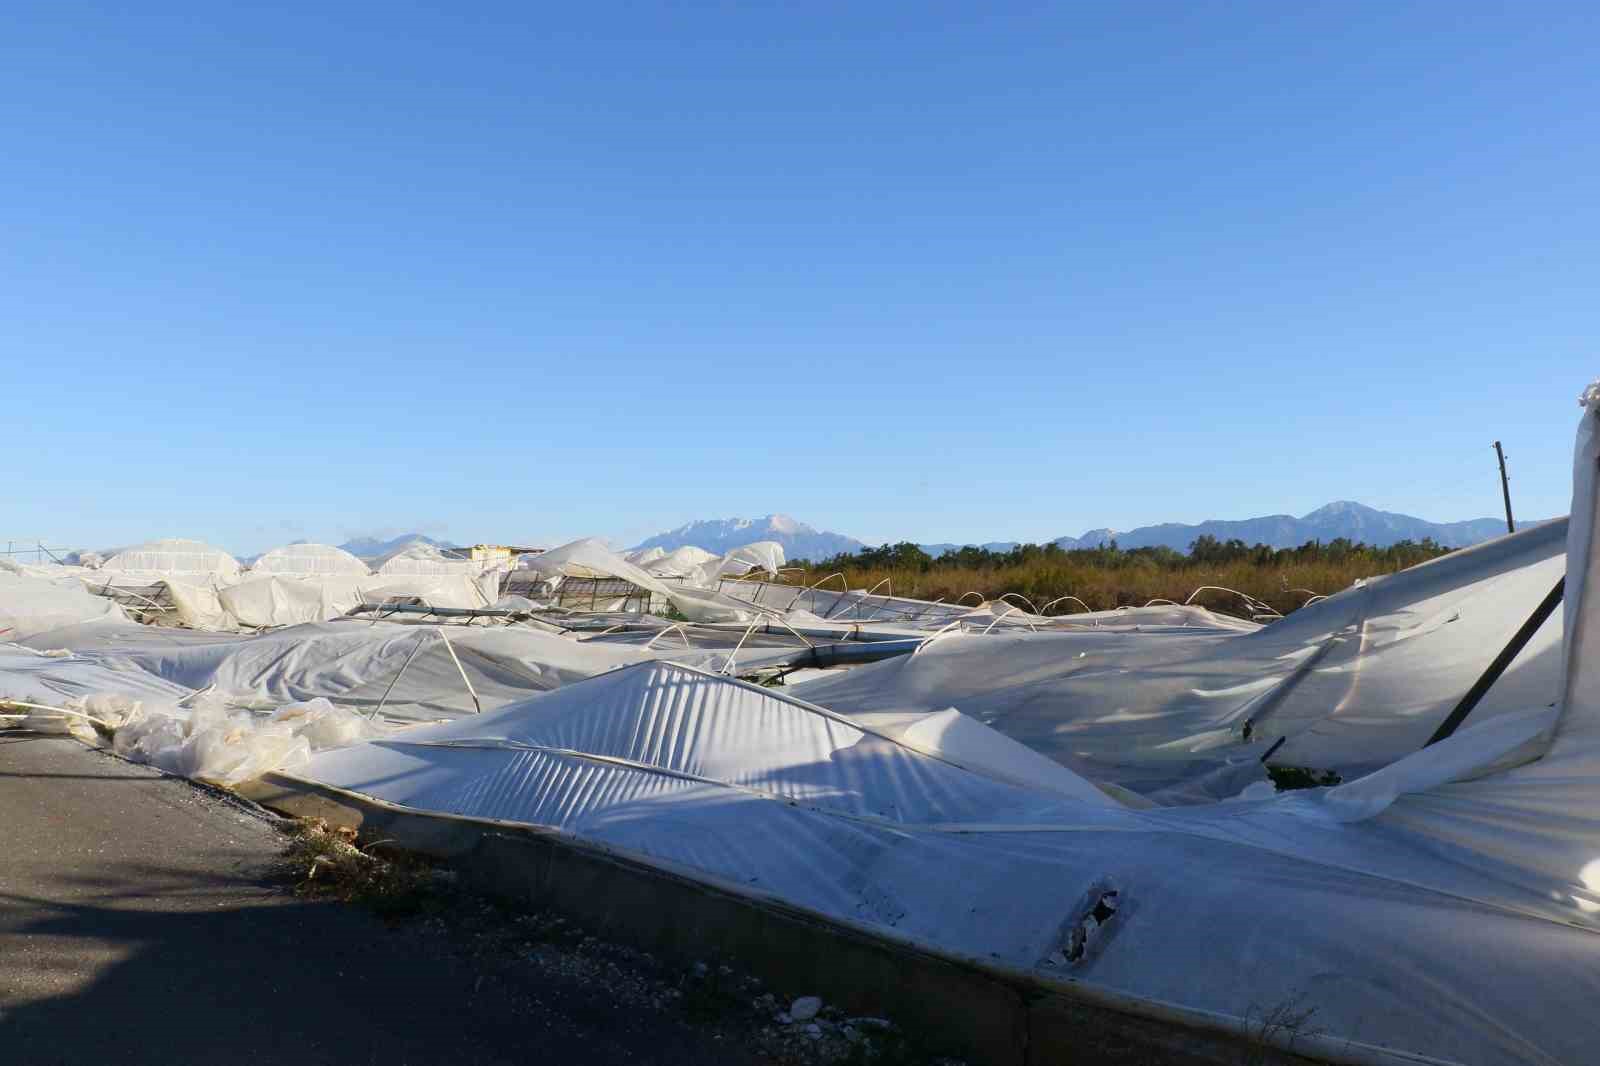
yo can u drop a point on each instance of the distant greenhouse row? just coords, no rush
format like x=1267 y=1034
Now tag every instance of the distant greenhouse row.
x=198 y=561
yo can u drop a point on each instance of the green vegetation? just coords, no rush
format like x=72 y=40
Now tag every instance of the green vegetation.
x=1109 y=577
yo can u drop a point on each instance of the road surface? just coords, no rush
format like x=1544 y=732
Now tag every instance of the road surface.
x=141 y=921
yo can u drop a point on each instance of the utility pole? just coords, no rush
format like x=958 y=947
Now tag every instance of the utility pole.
x=1505 y=488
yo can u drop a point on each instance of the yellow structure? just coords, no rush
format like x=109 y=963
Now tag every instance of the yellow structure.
x=491 y=553
x=499 y=553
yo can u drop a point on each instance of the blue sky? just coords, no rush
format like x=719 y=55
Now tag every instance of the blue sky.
x=940 y=272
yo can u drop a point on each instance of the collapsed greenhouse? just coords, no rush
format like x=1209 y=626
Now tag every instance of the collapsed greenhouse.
x=1071 y=805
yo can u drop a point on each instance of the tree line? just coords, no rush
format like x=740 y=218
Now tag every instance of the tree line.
x=1203 y=551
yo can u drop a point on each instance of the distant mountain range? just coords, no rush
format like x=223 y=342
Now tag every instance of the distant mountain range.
x=799 y=540
x=1353 y=521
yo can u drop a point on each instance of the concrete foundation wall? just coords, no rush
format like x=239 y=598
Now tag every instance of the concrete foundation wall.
x=983 y=1016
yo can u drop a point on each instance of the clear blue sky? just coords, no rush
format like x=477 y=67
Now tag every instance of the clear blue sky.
x=927 y=271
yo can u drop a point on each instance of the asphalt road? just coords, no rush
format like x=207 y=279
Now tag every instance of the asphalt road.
x=141 y=922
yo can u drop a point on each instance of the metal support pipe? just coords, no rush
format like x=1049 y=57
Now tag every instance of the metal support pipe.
x=1519 y=640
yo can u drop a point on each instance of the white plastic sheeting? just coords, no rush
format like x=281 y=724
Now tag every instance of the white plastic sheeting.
x=861 y=606
x=210 y=742
x=1354 y=681
x=645 y=556
x=33 y=605
x=193 y=734
x=1229 y=909
x=765 y=556
x=425 y=560
x=680 y=562
x=30 y=675
x=700 y=567
x=261 y=601
x=413 y=671
x=703 y=567
x=190 y=560
x=587 y=557
x=309 y=560
x=590 y=558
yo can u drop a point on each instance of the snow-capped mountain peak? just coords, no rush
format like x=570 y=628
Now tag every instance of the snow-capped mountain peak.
x=719 y=535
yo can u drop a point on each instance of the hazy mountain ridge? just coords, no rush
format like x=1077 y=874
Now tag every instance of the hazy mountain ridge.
x=369 y=548
x=1343 y=518
x=937 y=550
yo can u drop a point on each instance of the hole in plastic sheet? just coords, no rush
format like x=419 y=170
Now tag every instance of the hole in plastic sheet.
x=1082 y=933
x=1084 y=929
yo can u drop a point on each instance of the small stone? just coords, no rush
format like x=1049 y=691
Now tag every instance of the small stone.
x=805 y=1008
x=814 y=1031
x=852 y=1034
x=784 y=1019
